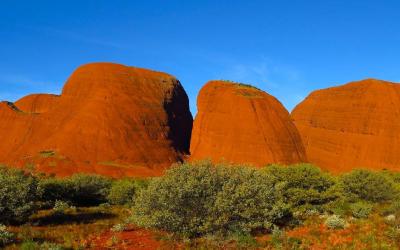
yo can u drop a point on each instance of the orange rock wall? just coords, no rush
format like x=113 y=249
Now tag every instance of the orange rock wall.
x=110 y=119
x=356 y=125
x=241 y=124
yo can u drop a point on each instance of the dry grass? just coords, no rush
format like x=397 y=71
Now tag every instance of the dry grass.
x=79 y=228
x=71 y=229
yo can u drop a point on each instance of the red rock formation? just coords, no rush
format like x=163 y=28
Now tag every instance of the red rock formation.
x=110 y=119
x=351 y=126
x=241 y=124
x=39 y=103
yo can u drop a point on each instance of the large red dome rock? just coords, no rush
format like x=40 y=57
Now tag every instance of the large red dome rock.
x=238 y=123
x=110 y=119
x=37 y=103
x=356 y=125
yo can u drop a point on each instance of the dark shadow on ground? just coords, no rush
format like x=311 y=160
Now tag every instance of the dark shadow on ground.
x=57 y=218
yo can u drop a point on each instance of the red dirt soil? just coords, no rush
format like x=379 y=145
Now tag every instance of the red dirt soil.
x=241 y=124
x=110 y=119
x=130 y=239
x=352 y=126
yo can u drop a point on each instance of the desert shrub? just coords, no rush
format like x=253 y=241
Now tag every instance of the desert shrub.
x=52 y=190
x=5 y=236
x=368 y=186
x=305 y=186
x=51 y=246
x=118 y=228
x=198 y=199
x=392 y=208
x=60 y=207
x=18 y=195
x=361 y=209
x=390 y=219
x=32 y=245
x=335 y=222
x=122 y=192
x=340 y=206
x=394 y=176
x=29 y=245
x=79 y=190
x=244 y=240
x=88 y=190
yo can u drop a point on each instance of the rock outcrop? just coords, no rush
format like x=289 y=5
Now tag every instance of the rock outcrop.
x=238 y=123
x=356 y=125
x=38 y=103
x=110 y=119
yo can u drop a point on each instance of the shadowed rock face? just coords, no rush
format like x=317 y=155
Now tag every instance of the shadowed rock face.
x=241 y=124
x=351 y=126
x=110 y=119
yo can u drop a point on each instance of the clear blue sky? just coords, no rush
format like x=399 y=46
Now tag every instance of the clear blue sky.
x=287 y=48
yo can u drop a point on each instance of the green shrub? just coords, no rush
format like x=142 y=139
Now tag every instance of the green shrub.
x=52 y=246
x=244 y=240
x=393 y=208
x=88 y=190
x=79 y=190
x=305 y=185
x=60 y=207
x=52 y=190
x=122 y=192
x=118 y=228
x=340 y=206
x=361 y=209
x=18 y=195
x=5 y=236
x=199 y=199
x=335 y=222
x=368 y=186
x=30 y=245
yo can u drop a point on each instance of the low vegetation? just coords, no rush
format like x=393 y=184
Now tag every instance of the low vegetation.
x=202 y=205
x=203 y=199
x=18 y=195
x=200 y=200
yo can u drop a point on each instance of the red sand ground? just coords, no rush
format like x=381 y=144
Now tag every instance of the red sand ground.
x=110 y=119
x=351 y=126
x=131 y=239
x=241 y=124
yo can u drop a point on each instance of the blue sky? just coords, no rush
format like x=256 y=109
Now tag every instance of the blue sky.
x=287 y=48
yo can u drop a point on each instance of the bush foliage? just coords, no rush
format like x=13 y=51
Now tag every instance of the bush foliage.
x=198 y=199
x=304 y=185
x=18 y=195
x=79 y=190
x=361 y=209
x=368 y=186
x=122 y=192
x=335 y=222
x=6 y=237
x=195 y=199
